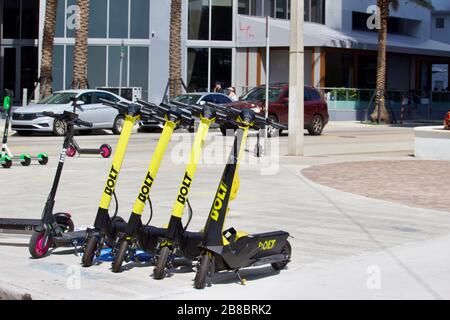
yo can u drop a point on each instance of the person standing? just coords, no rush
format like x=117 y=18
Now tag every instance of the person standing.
x=218 y=87
x=232 y=94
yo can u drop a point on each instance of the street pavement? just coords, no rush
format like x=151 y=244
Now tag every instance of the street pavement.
x=345 y=246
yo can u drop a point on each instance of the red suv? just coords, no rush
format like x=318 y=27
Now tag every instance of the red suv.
x=316 y=109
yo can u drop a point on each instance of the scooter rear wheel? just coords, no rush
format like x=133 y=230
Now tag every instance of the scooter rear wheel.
x=159 y=272
x=287 y=251
x=105 y=150
x=202 y=272
x=120 y=257
x=43 y=160
x=89 y=252
x=36 y=246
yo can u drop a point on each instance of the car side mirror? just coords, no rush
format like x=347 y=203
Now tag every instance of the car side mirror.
x=202 y=103
x=79 y=103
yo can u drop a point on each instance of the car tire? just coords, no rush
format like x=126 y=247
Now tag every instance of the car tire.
x=118 y=124
x=316 y=126
x=24 y=133
x=59 y=127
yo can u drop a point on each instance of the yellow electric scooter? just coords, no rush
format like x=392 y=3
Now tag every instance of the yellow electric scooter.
x=175 y=230
x=102 y=231
x=172 y=117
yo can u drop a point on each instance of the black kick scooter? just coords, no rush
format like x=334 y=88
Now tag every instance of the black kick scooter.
x=57 y=230
x=105 y=150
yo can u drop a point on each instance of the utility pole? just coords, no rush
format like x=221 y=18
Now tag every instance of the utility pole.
x=266 y=107
x=296 y=81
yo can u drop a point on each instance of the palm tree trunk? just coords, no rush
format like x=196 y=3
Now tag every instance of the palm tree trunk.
x=45 y=80
x=175 y=49
x=380 y=113
x=80 y=52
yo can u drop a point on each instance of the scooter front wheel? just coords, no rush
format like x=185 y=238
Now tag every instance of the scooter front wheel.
x=26 y=161
x=120 y=256
x=7 y=163
x=39 y=245
x=43 y=160
x=89 y=251
x=202 y=272
x=160 y=268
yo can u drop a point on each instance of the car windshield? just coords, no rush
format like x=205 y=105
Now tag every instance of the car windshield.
x=58 y=98
x=259 y=94
x=188 y=98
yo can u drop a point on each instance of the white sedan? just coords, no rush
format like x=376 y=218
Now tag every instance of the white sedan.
x=29 y=119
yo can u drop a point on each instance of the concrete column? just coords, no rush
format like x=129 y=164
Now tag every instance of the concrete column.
x=296 y=81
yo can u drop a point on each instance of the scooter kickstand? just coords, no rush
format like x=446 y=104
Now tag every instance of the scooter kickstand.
x=242 y=280
x=74 y=243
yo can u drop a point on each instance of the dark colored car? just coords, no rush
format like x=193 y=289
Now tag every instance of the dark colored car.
x=316 y=108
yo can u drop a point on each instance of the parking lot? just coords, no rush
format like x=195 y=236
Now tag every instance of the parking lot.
x=336 y=235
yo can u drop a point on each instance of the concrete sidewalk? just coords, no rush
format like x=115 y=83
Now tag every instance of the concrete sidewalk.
x=341 y=241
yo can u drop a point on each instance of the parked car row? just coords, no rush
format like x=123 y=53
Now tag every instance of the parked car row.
x=29 y=119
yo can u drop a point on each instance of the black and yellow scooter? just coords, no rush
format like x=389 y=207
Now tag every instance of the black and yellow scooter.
x=102 y=231
x=176 y=237
x=172 y=117
x=231 y=250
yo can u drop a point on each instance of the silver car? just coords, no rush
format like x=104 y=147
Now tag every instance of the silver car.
x=29 y=119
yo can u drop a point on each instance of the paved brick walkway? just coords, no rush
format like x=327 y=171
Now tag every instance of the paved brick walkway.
x=411 y=182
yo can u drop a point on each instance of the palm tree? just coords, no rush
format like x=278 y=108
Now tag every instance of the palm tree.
x=45 y=80
x=380 y=114
x=175 y=48
x=80 y=52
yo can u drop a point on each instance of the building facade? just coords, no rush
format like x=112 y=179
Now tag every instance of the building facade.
x=224 y=40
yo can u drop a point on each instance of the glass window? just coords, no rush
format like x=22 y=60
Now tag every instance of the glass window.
x=58 y=68
x=97 y=18
x=70 y=18
x=59 y=29
x=188 y=98
x=315 y=11
x=58 y=98
x=280 y=11
x=222 y=20
x=139 y=24
x=97 y=66
x=139 y=59
x=30 y=19
x=440 y=23
x=11 y=19
x=244 y=7
x=69 y=66
x=220 y=99
x=114 y=66
x=269 y=8
x=106 y=96
x=118 y=18
x=256 y=7
x=198 y=20
x=28 y=69
x=86 y=98
x=197 y=79
x=254 y=94
x=221 y=67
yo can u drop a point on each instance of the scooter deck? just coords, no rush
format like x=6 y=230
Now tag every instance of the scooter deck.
x=70 y=238
x=18 y=226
